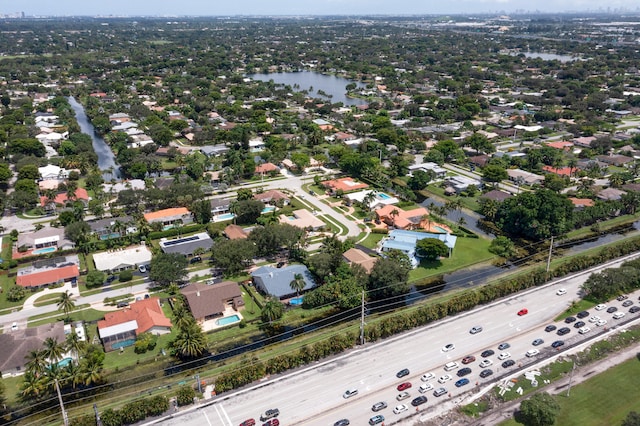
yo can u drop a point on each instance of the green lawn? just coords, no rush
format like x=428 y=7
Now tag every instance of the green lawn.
x=468 y=252
x=47 y=299
x=603 y=400
x=372 y=240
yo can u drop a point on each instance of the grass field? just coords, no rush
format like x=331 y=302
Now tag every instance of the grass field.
x=603 y=400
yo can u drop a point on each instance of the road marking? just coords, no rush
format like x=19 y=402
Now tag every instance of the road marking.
x=204 y=413
x=225 y=414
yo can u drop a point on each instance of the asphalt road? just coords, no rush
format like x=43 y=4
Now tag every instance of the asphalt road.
x=313 y=396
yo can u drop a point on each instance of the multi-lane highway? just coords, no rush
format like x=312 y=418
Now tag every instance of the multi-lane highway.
x=314 y=396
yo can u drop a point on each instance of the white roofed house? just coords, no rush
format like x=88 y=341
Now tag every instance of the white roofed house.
x=121 y=259
x=53 y=172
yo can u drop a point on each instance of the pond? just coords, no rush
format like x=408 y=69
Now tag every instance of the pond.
x=316 y=84
x=549 y=56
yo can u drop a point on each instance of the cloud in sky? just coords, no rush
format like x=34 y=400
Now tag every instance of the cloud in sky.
x=297 y=7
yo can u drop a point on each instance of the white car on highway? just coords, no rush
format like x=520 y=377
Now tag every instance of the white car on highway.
x=594 y=319
x=445 y=378
x=504 y=355
x=601 y=307
x=561 y=291
x=427 y=376
x=532 y=352
x=584 y=330
x=601 y=322
x=449 y=347
x=618 y=315
x=425 y=387
x=485 y=363
x=400 y=408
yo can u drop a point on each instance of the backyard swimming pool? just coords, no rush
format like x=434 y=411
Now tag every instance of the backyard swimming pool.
x=296 y=301
x=440 y=229
x=268 y=209
x=44 y=250
x=223 y=217
x=228 y=320
x=64 y=362
x=124 y=344
x=383 y=196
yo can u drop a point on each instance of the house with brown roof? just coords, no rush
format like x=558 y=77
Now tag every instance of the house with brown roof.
x=235 y=232
x=169 y=217
x=346 y=184
x=207 y=302
x=120 y=328
x=610 y=194
x=496 y=195
x=615 y=160
x=271 y=197
x=355 y=256
x=584 y=141
x=16 y=345
x=561 y=171
x=266 y=168
x=581 y=203
x=302 y=219
x=561 y=145
x=402 y=219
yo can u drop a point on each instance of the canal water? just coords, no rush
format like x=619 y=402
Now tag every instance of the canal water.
x=106 y=160
x=315 y=82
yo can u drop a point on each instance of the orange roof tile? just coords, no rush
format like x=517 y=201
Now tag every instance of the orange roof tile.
x=49 y=276
x=266 y=168
x=81 y=194
x=147 y=313
x=176 y=211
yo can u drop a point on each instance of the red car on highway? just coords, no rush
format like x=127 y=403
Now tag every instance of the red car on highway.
x=248 y=422
x=404 y=386
x=522 y=312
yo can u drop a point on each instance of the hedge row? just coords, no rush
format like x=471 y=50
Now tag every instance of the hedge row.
x=130 y=413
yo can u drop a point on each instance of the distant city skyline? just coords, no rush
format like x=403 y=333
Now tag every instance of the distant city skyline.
x=317 y=7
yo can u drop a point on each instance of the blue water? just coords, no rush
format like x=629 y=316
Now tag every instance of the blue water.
x=226 y=216
x=109 y=236
x=44 y=250
x=291 y=217
x=268 y=209
x=228 y=320
x=296 y=300
x=441 y=229
x=64 y=362
x=383 y=196
x=124 y=344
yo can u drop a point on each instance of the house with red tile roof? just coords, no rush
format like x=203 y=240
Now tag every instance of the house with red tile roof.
x=120 y=328
x=561 y=171
x=169 y=217
x=581 y=203
x=355 y=256
x=562 y=145
x=271 y=196
x=266 y=168
x=402 y=219
x=62 y=198
x=35 y=278
x=346 y=184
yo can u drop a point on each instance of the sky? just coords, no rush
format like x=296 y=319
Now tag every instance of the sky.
x=298 y=7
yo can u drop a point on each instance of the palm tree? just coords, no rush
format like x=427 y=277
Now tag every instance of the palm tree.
x=74 y=345
x=272 y=310
x=190 y=342
x=53 y=351
x=368 y=199
x=33 y=386
x=91 y=371
x=297 y=284
x=36 y=362
x=66 y=303
x=394 y=214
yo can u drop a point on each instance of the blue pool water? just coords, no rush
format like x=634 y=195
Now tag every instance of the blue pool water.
x=440 y=229
x=291 y=217
x=296 y=300
x=226 y=216
x=124 y=344
x=268 y=209
x=64 y=362
x=383 y=196
x=228 y=320
x=44 y=250
x=109 y=236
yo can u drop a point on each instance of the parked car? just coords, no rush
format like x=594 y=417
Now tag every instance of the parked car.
x=601 y=307
x=400 y=408
x=622 y=297
x=508 y=363
x=349 y=393
x=427 y=376
x=582 y=314
x=485 y=363
x=439 y=392
x=475 y=330
x=569 y=320
x=563 y=331
x=537 y=342
x=468 y=359
x=634 y=309
x=550 y=328
x=486 y=373
x=404 y=386
x=487 y=353
x=503 y=346
x=376 y=419
x=522 y=312
x=594 y=319
x=419 y=400
x=110 y=279
x=195 y=259
x=402 y=373
x=618 y=315
x=462 y=382
x=463 y=372
x=379 y=406
x=142 y=269
x=557 y=344
x=584 y=330
x=14 y=326
x=504 y=355
x=627 y=303
x=269 y=414
x=122 y=304
x=601 y=322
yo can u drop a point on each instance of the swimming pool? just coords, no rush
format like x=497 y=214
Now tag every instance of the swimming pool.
x=44 y=250
x=440 y=229
x=124 y=344
x=109 y=236
x=268 y=209
x=296 y=301
x=383 y=196
x=228 y=320
x=64 y=362
x=222 y=217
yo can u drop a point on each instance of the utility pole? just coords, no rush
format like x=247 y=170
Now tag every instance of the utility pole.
x=549 y=258
x=362 y=320
x=98 y=420
x=199 y=384
x=570 y=379
x=65 y=418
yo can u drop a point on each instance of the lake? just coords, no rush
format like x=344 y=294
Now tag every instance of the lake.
x=106 y=160
x=550 y=56
x=314 y=82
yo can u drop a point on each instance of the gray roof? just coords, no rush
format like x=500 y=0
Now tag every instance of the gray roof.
x=214 y=149
x=97 y=225
x=276 y=281
x=187 y=245
x=15 y=346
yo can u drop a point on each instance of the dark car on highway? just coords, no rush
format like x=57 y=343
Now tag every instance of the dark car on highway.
x=627 y=303
x=402 y=373
x=404 y=386
x=462 y=382
x=486 y=373
x=463 y=372
x=582 y=314
x=612 y=309
x=557 y=344
x=563 y=331
x=579 y=324
x=269 y=414
x=537 y=342
x=508 y=363
x=569 y=320
x=549 y=328
x=634 y=309
x=376 y=419
x=468 y=359
x=342 y=422
x=487 y=353
x=419 y=400
x=379 y=406
x=503 y=346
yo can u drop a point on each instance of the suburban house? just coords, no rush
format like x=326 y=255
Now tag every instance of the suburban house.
x=615 y=159
x=214 y=150
x=561 y=171
x=52 y=172
x=402 y=219
x=62 y=198
x=302 y=219
x=610 y=194
x=496 y=195
x=235 y=232
x=256 y=145
x=461 y=183
x=266 y=168
x=272 y=196
x=561 y=145
x=213 y=301
x=114 y=188
x=120 y=328
x=522 y=177
x=45 y=240
x=169 y=217
x=186 y=246
x=581 y=203
x=438 y=171
x=355 y=256
x=375 y=199
x=346 y=184
x=113 y=227
x=277 y=281
x=220 y=206
x=50 y=272
x=16 y=345
x=120 y=259
x=405 y=241
x=584 y=141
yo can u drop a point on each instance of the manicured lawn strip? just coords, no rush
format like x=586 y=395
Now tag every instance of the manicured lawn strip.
x=47 y=299
x=577 y=306
x=468 y=252
x=436 y=192
x=81 y=313
x=372 y=240
x=7 y=244
x=604 y=225
x=605 y=399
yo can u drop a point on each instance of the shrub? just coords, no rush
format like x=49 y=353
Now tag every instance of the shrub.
x=125 y=276
x=185 y=395
x=16 y=294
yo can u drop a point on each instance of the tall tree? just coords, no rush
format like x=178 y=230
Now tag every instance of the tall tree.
x=190 y=342
x=539 y=410
x=272 y=310
x=66 y=303
x=298 y=283
x=167 y=268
